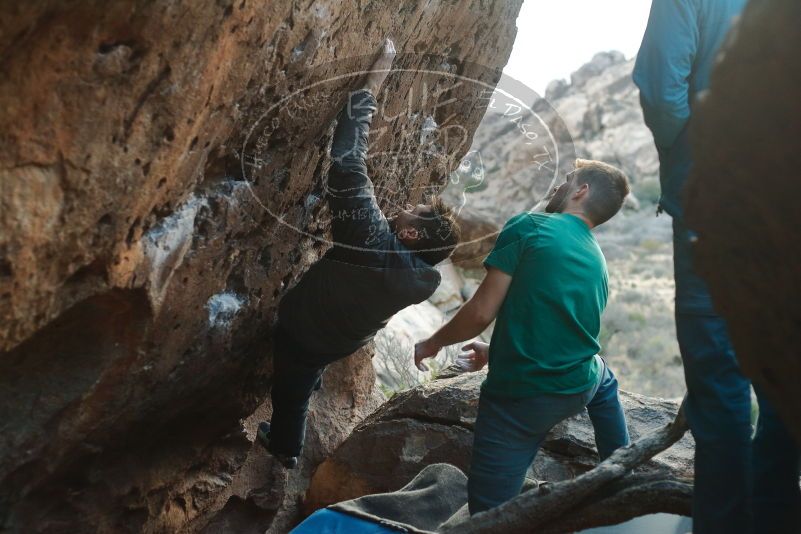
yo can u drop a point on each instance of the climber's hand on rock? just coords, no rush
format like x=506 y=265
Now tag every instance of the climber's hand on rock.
x=381 y=67
x=424 y=349
x=475 y=357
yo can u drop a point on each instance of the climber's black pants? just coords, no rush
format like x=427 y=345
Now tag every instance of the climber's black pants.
x=297 y=373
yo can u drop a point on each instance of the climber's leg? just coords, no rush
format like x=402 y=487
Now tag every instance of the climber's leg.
x=606 y=414
x=776 y=461
x=290 y=396
x=718 y=404
x=508 y=433
x=295 y=376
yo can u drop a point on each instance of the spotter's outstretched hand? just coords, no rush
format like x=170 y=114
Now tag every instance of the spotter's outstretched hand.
x=422 y=350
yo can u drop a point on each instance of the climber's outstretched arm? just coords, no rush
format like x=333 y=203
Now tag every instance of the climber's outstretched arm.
x=351 y=196
x=348 y=178
x=470 y=320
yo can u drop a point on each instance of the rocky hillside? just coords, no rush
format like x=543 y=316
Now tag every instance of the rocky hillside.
x=596 y=115
x=161 y=167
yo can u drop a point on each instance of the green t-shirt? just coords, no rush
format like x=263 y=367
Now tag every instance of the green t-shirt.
x=546 y=332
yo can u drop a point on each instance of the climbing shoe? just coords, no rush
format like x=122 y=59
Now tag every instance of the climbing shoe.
x=263 y=437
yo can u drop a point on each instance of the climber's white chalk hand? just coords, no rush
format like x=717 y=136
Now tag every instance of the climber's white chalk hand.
x=422 y=350
x=380 y=69
x=389 y=48
x=387 y=56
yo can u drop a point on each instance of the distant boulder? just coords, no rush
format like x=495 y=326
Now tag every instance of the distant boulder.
x=599 y=63
x=479 y=233
x=595 y=116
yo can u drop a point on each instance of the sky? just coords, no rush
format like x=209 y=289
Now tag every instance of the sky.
x=556 y=37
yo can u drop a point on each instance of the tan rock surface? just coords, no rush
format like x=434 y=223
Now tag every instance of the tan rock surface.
x=139 y=268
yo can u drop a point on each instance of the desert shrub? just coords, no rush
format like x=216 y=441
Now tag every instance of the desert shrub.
x=638 y=318
x=631 y=296
x=638 y=333
x=651 y=245
x=648 y=190
x=394 y=363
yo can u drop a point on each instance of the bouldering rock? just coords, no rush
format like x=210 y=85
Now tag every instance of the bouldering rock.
x=555 y=89
x=479 y=233
x=156 y=203
x=434 y=423
x=742 y=194
x=260 y=494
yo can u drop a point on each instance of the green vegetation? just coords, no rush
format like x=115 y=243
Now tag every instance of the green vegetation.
x=647 y=190
x=638 y=332
x=394 y=364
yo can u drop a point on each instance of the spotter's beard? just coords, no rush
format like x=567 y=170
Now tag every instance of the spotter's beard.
x=557 y=201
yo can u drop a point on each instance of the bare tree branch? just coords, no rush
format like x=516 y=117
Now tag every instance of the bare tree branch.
x=666 y=496
x=548 y=503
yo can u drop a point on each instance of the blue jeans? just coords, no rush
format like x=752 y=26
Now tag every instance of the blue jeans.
x=509 y=433
x=297 y=373
x=718 y=405
x=776 y=465
x=740 y=486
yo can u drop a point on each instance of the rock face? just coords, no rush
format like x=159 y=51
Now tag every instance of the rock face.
x=434 y=423
x=478 y=237
x=257 y=495
x=742 y=197
x=145 y=164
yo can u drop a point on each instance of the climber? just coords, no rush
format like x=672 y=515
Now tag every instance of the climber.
x=375 y=268
x=546 y=282
x=737 y=482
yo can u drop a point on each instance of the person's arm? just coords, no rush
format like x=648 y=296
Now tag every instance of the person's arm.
x=471 y=319
x=348 y=172
x=664 y=66
x=351 y=197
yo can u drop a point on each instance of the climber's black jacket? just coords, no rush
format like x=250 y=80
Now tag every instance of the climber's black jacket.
x=368 y=275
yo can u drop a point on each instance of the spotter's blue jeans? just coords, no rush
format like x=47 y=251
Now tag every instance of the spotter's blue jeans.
x=509 y=433
x=739 y=486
